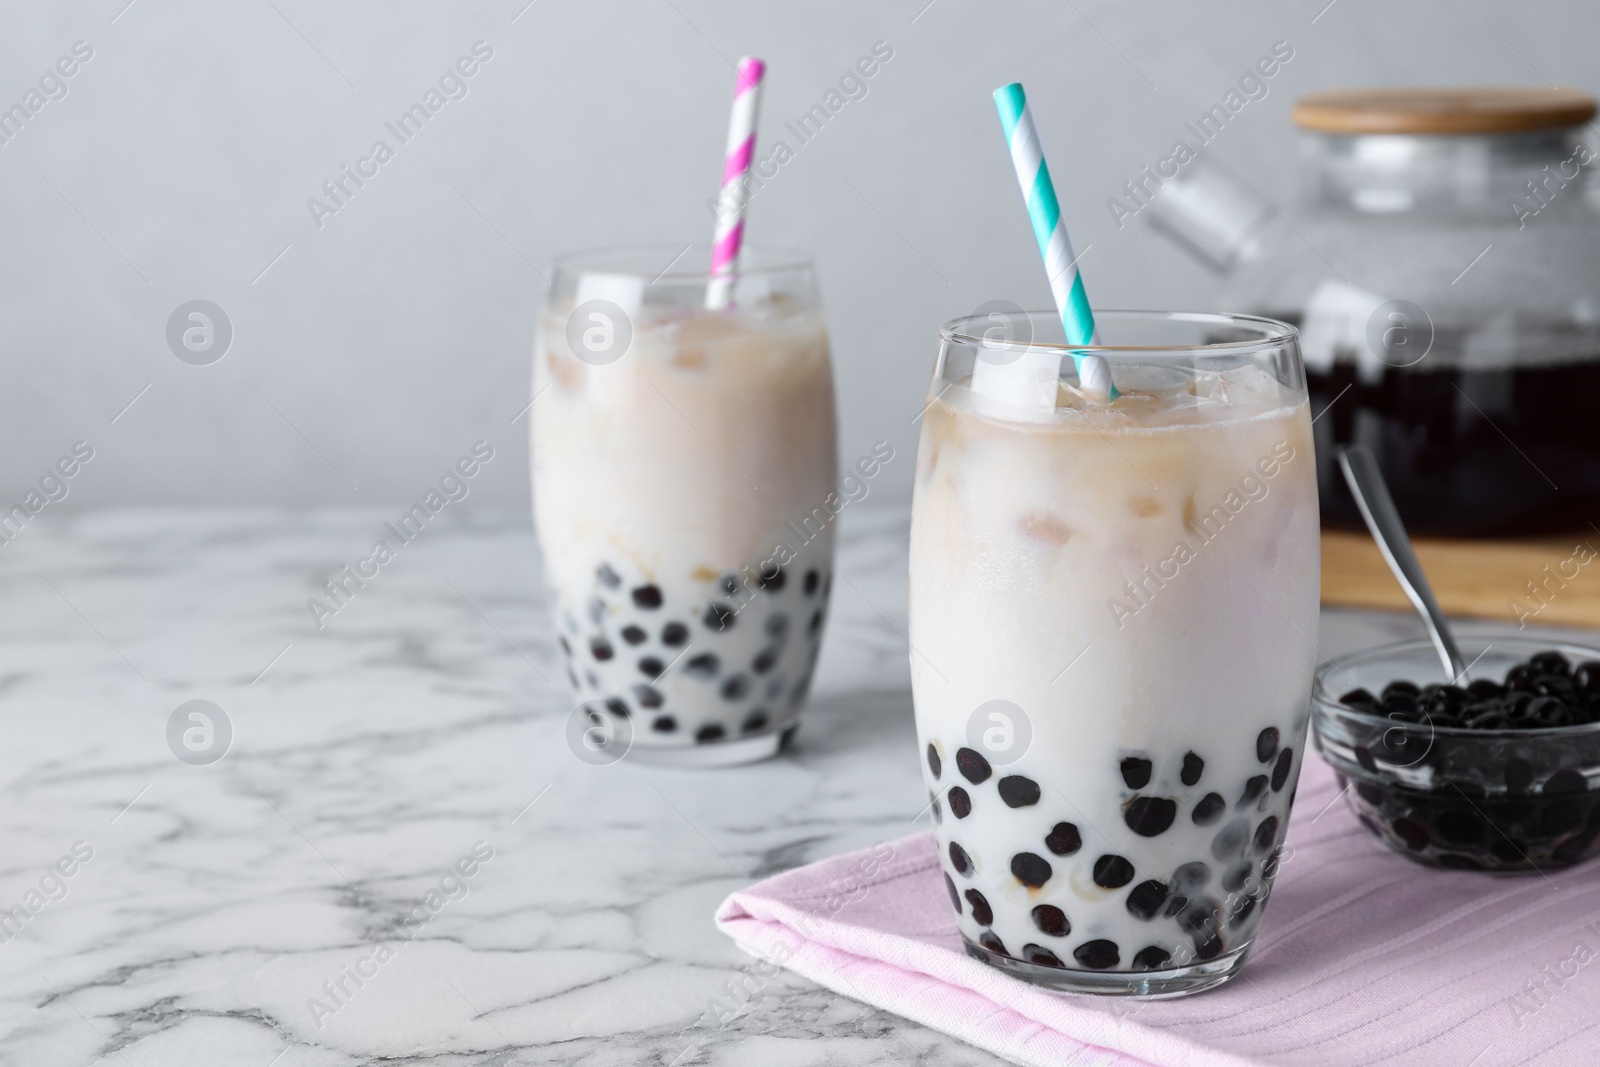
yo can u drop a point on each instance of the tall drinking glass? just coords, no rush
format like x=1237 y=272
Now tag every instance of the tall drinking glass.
x=682 y=458
x=1112 y=610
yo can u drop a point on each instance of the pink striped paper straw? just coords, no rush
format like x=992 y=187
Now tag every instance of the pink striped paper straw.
x=730 y=213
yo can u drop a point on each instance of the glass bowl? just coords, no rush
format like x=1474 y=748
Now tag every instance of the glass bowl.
x=1509 y=800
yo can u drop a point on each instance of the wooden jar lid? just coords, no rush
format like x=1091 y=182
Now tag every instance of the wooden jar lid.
x=1461 y=110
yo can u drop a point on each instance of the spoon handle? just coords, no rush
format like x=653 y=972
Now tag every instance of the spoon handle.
x=1383 y=519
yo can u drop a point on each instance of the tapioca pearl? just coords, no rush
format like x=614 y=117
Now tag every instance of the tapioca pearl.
x=1518 y=774
x=815 y=624
x=665 y=724
x=651 y=667
x=1052 y=920
x=960 y=803
x=934 y=763
x=1146 y=898
x=673 y=635
x=938 y=811
x=648 y=696
x=771 y=583
x=1136 y=772
x=1234 y=878
x=572 y=676
x=1459 y=826
x=955 y=897
x=617 y=706
x=633 y=635
x=1371 y=792
x=756 y=720
x=1566 y=780
x=735 y=687
x=1151 y=957
x=1267 y=744
x=1063 y=839
x=711 y=731
x=601 y=649
x=1254 y=786
x=1030 y=869
x=1176 y=905
x=960 y=860
x=608 y=577
x=1097 y=955
x=566 y=646
x=1413 y=833
x=1040 y=956
x=1208 y=810
x=989 y=941
x=1191 y=877
x=1230 y=840
x=705 y=665
x=718 y=617
x=777 y=626
x=1280 y=770
x=1149 y=816
x=813 y=579
x=1112 y=872
x=765 y=660
x=1267 y=833
x=1207 y=945
x=1243 y=911
x=1199 y=917
x=1560 y=817
x=1018 y=792
x=1193 y=768
x=982 y=914
x=973 y=767
x=647 y=597
x=592 y=678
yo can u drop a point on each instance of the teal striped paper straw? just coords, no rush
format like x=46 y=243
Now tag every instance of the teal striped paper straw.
x=1066 y=284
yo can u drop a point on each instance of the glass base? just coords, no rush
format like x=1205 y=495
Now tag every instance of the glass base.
x=717 y=753
x=1147 y=985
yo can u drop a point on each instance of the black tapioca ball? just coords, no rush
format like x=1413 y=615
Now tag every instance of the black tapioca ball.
x=1030 y=869
x=1208 y=810
x=1267 y=833
x=959 y=859
x=647 y=597
x=1459 y=862
x=1551 y=662
x=816 y=622
x=1193 y=767
x=1136 y=772
x=773 y=582
x=1051 y=920
x=1365 y=757
x=673 y=635
x=1176 y=905
x=1112 y=872
x=1149 y=816
x=1280 y=770
x=955 y=897
x=1566 y=780
x=718 y=616
x=1254 y=786
x=1413 y=833
x=812 y=581
x=1097 y=955
x=664 y=724
x=711 y=731
x=1042 y=957
x=777 y=626
x=935 y=764
x=1063 y=839
x=566 y=646
x=608 y=577
x=633 y=635
x=1267 y=744
x=729 y=584
x=1372 y=793
x=1207 y=945
x=1151 y=958
x=938 y=812
x=572 y=676
x=1235 y=877
x=1230 y=840
x=1018 y=792
x=648 y=696
x=735 y=687
x=601 y=649
x=765 y=660
x=756 y=720
x=651 y=667
x=617 y=706
x=960 y=803
x=1191 y=877
x=973 y=767
x=982 y=914
x=989 y=941
x=1361 y=700
x=1560 y=816
x=1146 y=898
x=1199 y=917
x=705 y=665
x=1243 y=911
x=1458 y=826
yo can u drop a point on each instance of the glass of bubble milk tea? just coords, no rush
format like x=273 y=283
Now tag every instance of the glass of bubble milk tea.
x=683 y=457
x=1112 y=614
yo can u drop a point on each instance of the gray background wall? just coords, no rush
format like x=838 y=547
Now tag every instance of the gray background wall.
x=370 y=352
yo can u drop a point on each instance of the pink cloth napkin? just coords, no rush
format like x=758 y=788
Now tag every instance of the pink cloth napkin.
x=1364 y=958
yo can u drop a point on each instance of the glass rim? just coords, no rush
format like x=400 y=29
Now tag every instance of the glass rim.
x=1325 y=702
x=1275 y=334
x=754 y=260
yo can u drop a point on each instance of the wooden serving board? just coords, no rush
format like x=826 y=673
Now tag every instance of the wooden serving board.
x=1550 y=581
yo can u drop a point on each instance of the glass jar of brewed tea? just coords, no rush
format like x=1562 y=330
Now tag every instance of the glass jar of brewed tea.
x=1444 y=267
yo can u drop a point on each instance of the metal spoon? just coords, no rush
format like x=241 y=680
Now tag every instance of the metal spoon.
x=1366 y=483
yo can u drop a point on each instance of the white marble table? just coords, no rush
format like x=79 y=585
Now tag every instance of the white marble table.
x=225 y=905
